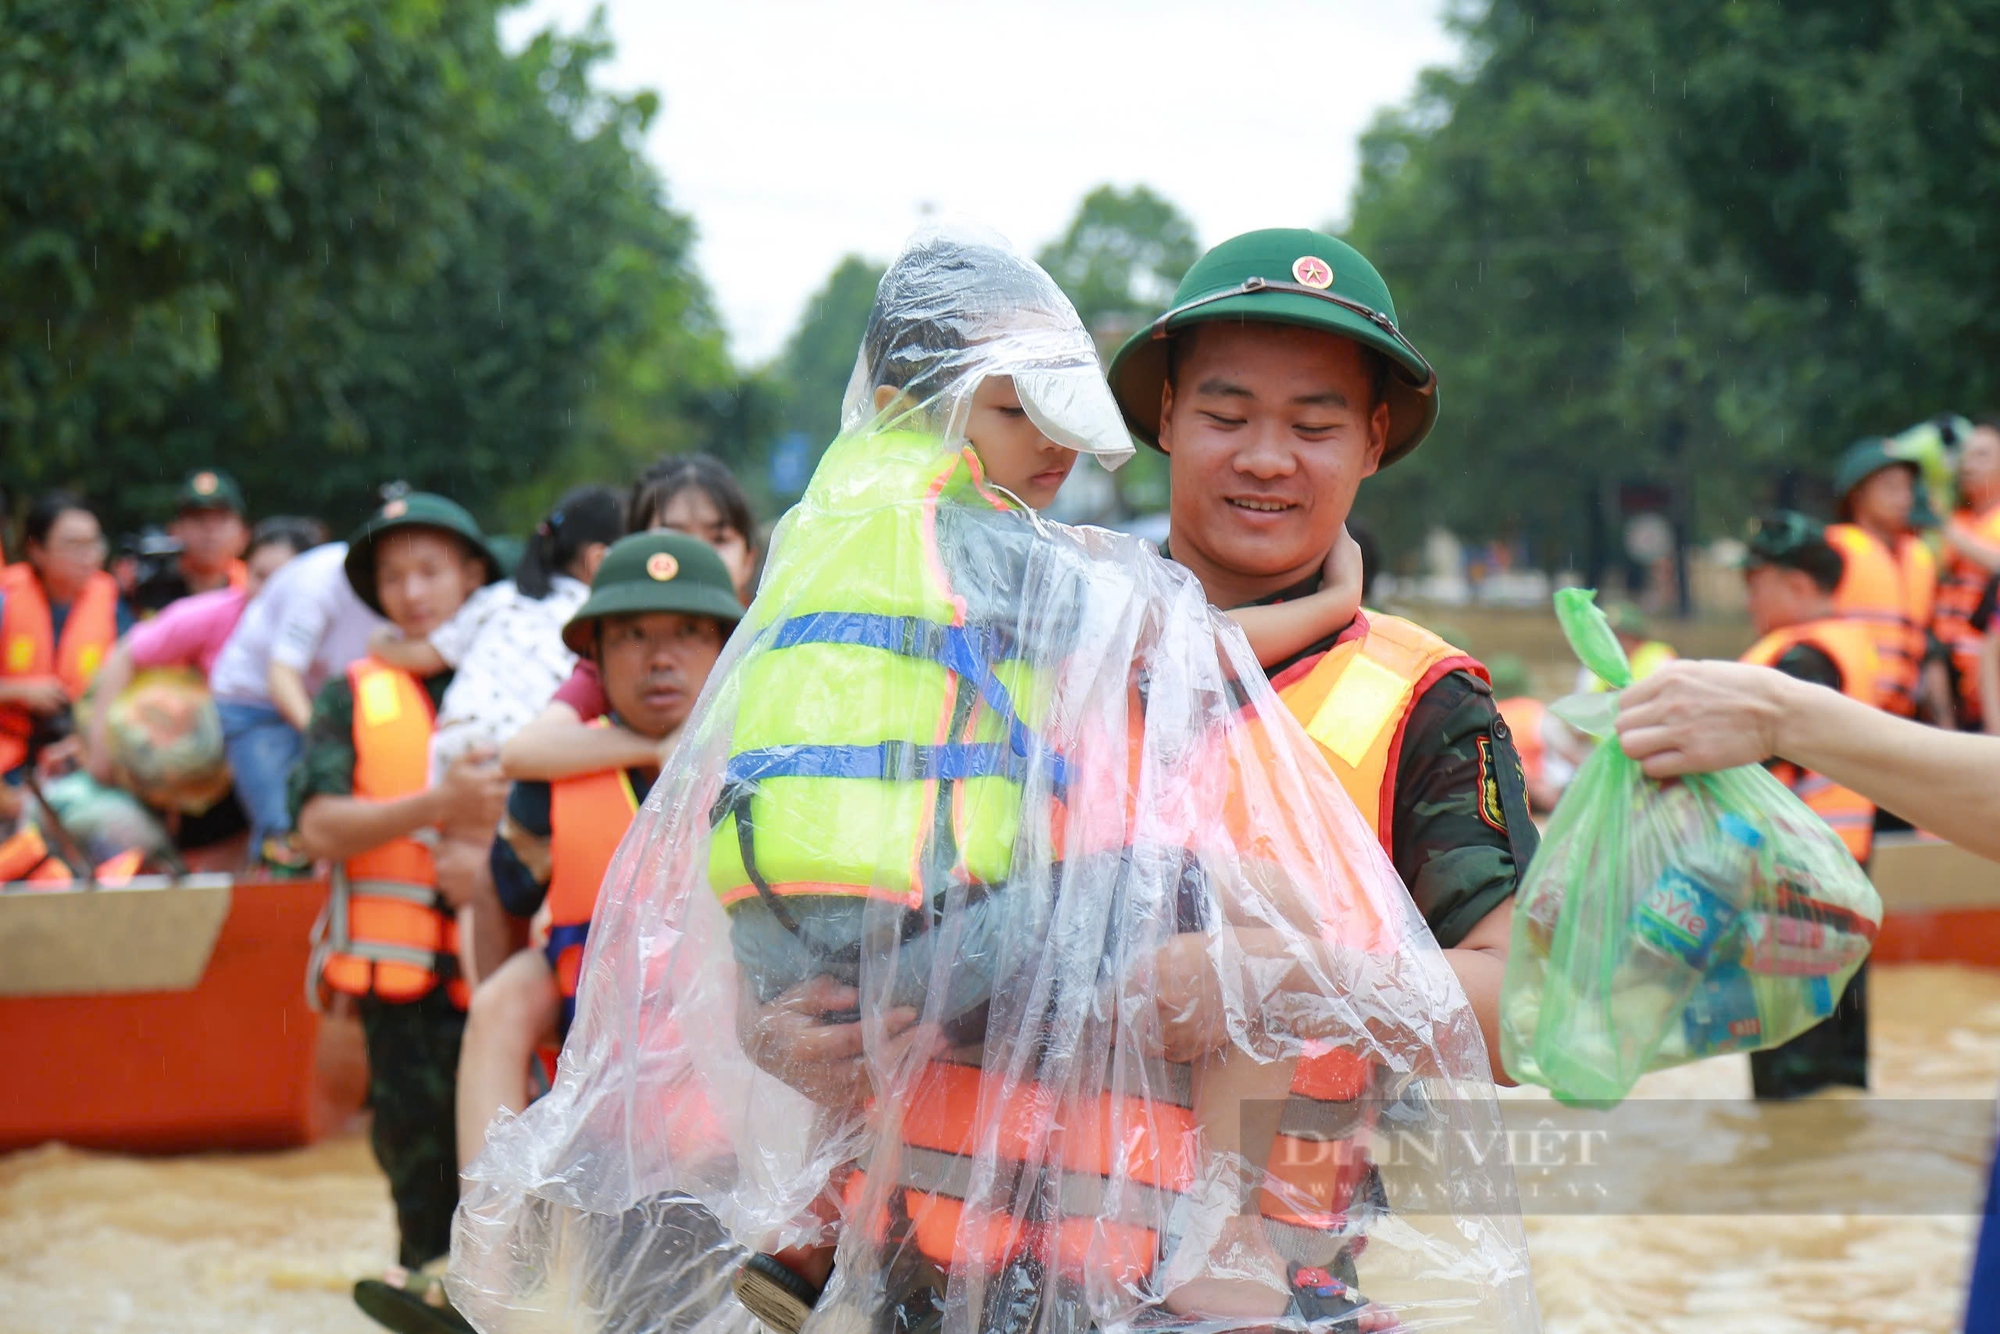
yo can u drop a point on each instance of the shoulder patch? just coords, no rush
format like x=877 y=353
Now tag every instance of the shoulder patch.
x=1491 y=809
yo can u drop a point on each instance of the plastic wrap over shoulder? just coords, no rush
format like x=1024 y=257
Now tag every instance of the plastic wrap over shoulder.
x=991 y=904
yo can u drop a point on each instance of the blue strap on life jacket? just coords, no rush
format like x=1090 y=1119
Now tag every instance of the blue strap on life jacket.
x=892 y=761
x=964 y=649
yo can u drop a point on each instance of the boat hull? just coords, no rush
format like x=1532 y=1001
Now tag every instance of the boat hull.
x=235 y=1062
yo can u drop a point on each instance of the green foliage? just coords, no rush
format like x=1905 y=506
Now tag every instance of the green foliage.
x=1119 y=262
x=819 y=356
x=1701 y=246
x=1122 y=257
x=328 y=243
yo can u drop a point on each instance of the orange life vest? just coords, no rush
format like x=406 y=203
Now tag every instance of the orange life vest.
x=1524 y=715
x=387 y=932
x=1355 y=701
x=25 y=855
x=1892 y=593
x=588 y=817
x=29 y=649
x=1852 y=648
x=1958 y=593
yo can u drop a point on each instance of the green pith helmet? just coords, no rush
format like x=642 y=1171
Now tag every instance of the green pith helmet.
x=418 y=509
x=1795 y=541
x=209 y=489
x=1775 y=535
x=1282 y=276
x=1509 y=674
x=1862 y=460
x=656 y=571
x=506 y=549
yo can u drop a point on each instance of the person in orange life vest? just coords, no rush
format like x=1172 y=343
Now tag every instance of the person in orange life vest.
x=60 y=614
x=208 y=524
x=358 y=794
x=1972 y=545
x=1890 y=582
x=1790 y=572
x=660 y=610
x=1273 y=398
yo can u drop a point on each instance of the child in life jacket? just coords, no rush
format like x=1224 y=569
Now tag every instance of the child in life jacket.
x=892 y=595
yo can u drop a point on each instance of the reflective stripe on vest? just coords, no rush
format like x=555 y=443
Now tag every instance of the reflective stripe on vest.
x=1893 y=595
x=1960 y=589
x=1356 y=700
x=853 y=802
x=1851 y=646
x=588 y=817
x=29 y=649
x=389 y=934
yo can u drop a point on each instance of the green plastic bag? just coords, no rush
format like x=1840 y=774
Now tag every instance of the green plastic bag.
x=1661 y=923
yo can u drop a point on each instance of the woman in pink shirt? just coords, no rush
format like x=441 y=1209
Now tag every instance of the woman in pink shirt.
x=191 y=631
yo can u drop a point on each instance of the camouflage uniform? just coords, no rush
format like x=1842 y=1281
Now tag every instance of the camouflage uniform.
x=412 y=1091
x=412 y=1047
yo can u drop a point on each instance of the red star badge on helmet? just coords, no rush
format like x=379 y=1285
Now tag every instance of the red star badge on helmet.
x=1312 y=271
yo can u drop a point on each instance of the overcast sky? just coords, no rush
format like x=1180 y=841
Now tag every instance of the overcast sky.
x=796 y=132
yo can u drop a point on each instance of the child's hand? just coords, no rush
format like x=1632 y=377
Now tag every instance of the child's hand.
x=1342 y=572
x=1194 y=1017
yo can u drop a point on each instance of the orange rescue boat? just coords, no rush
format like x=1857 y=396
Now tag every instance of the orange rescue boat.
x=163 y=1015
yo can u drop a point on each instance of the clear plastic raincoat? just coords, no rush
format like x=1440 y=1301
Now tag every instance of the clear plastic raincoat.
x=996 y=919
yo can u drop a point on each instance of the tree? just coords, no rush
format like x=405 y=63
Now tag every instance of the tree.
x=1119 y=262
x=1121 y=258
x=819 y=356
x=327 y=243
x=1692 y=247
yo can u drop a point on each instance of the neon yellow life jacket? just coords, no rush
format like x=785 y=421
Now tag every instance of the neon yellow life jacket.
x=879 y=743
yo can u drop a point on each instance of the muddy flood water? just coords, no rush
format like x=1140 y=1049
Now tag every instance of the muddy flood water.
x=254 y=1243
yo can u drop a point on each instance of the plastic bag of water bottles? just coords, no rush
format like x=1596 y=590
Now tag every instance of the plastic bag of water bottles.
x=1666 y=922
